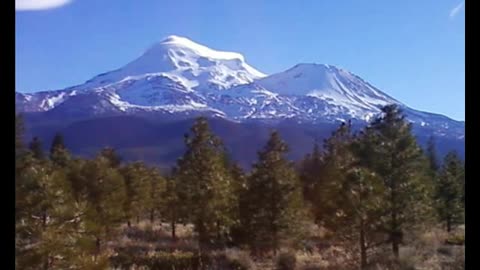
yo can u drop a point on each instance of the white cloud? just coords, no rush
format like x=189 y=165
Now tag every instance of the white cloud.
x=39 y=4
x=456 y=9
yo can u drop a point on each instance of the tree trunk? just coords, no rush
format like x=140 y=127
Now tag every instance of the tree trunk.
x=218 y=231
x=395 y=236
x=395 y=249
x=152 y=216
x=44 y=219
x=129 y=224
x=46 y=264
x=138 y=219
x=172 y=227
x=97 y=246
x=363 y=248
x=44 y=226
x=449 y=224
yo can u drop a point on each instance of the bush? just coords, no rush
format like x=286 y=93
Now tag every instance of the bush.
x=147 y=235
x=312 y=267
x=456 y=239
x=182 y=261
x=445 y=251
x=286 y=261
x=160 y=260
x=405 y=263
x=239 y=260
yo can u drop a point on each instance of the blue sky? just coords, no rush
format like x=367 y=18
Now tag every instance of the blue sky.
x=412 y=50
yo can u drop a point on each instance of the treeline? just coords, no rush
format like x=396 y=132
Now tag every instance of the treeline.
x=367 y=188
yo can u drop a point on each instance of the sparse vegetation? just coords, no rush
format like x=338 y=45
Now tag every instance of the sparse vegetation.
x=286 y=261
x=370 y=199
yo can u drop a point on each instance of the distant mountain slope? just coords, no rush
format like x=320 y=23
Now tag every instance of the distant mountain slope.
x=178 y=79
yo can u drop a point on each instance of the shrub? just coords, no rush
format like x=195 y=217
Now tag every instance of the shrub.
x=159 y=260
x=239 y=260
x=445 y=251
x=403 y=263
x=456 y=239
x=312 y=267
x=181 y=261
x=286 y=261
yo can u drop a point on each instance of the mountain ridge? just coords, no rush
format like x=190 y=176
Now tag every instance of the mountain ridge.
x=179 y=78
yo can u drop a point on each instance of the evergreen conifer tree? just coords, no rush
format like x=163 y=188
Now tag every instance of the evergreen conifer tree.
x=59 y=154
x=399 y=161
x=449 y=191
x=206 y=184
x=37 y=148
x=273 y=210
x=137 y=187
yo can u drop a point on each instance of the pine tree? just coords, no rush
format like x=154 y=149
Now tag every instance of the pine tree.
x=274 y=204
x=104 y=192
x=157 y=186
x=59 y=154
x=311 y=171
x=137 y=187
x=346 y=198
x=111 y=155
x=400 y=163
x=332 y=167
x=37 y=148
x=57 y=142
x=239 y=230
x=206 y=184
x=173 y=208
x=449 y=193
x=19 y=133
x=40 y=194
x=432 y=155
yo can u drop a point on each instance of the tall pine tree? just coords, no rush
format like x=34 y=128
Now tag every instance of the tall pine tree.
x=206 y=184
x=311 y=171
x=37 y=148
x=137 y=187
x=449 y=191
x=399 y=161
x=59 y=154
x=432 y=155
x=274 y=205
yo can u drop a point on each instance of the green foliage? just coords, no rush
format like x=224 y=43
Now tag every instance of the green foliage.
x=172 y=208
x=175 y=260
x=59 y=154
x=137 y=181
x=273 y=203
x=312 y=172
x=206 y=184
x=19 y=132
x=36 y=147
x=359 y=186
x=449 y=193
x=104 y=191
x=113 y=158
x=432 y=155
x=397 y=159
x=348 y=202
x=157 y=187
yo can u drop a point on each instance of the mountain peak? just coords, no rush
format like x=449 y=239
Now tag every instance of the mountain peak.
x=179 y=43
x=175 y=38
x=184 y=62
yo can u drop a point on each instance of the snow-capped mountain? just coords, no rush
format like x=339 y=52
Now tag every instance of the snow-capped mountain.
x=178 y=76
